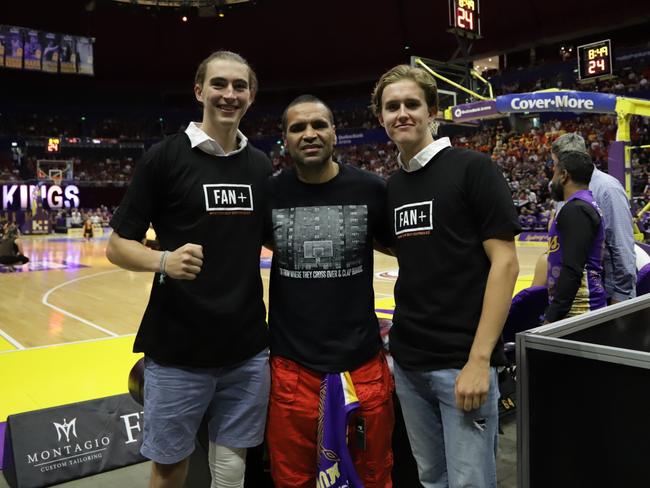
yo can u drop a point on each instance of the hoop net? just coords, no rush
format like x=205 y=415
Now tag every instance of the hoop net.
x=55 y=171
x=56 y=175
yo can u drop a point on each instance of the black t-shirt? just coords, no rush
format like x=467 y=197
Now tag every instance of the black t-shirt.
x=440 y=216
x=321 y=308
x=189 y=196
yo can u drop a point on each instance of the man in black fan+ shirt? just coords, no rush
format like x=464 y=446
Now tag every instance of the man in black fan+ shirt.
x=203 y=333
x=454 y=225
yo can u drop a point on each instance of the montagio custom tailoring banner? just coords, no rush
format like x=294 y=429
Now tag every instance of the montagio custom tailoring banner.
x=59 y=444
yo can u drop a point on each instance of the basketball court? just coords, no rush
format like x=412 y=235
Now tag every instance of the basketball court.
x=69 y=317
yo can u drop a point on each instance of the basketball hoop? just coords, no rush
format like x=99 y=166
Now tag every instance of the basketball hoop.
x=56 y=175
x=54 y=170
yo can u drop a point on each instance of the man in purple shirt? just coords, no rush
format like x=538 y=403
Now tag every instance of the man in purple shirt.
x=576 y=240
x=619 y=262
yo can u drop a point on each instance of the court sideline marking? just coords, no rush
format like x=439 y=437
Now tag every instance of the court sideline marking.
x=82 y=341
x=71 y=315
x=11 y=340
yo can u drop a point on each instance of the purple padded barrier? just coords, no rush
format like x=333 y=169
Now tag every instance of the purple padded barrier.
x=616 y=160
x=525 y=310
x=3 y=425
x=643 y=281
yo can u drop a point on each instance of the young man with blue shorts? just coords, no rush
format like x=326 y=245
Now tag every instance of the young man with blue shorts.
x=203 y=333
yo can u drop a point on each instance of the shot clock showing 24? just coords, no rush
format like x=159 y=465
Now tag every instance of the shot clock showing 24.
x=595 y=60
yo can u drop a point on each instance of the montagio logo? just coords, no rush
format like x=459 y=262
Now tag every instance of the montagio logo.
x=65 y=428
x=68 y=453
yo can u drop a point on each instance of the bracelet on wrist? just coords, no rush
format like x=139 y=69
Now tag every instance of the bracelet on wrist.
x=163 y=263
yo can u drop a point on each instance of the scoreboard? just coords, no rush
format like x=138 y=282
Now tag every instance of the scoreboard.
x=464 y=17
x=595 y=60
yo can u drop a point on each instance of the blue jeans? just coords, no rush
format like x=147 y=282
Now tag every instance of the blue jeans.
x=452 y=448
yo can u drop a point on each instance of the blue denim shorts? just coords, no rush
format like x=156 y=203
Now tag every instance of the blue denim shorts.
x=176 y=398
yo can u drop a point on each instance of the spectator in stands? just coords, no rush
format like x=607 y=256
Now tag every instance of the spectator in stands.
x=574 y=276
x=96 y=217
x=203 y=334
x=619 y=260
x=75 y=219
x=11 y=247
x=454 y=226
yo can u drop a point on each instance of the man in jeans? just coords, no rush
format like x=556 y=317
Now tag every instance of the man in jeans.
x=454 y=224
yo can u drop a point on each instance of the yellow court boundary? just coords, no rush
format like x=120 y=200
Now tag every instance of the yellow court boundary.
x=5 y=345
x=33 y=379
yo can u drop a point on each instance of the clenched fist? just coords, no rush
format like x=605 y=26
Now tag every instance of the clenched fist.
x=185 y=262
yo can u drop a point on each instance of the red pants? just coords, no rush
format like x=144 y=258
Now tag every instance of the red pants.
x=291 y=434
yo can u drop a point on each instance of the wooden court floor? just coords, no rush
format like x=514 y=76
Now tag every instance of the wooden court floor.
x=69 y=317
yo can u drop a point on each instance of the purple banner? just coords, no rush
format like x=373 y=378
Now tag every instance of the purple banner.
x=3 y=42
x=50 y=42
x=533 y=237
x=474 y=110
x=346 y=137
x=616 y=162
x=3 y=427
x=13 y=46
x=32 y=51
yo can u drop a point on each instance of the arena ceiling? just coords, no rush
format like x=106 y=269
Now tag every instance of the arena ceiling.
x=309 y=42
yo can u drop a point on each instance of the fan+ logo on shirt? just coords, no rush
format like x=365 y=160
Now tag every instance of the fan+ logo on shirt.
x=414 y=217
x=228 y=197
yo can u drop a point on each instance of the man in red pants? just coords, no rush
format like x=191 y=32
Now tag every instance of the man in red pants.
x=325 y=219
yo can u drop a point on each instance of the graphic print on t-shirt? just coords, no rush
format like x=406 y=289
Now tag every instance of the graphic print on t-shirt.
x=414 y=217
x=320 y=242
x=228 y=197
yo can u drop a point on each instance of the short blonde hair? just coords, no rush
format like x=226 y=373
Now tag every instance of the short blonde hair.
x=405 y=72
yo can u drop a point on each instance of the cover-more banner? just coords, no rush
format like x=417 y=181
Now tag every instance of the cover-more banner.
x=557 y=101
